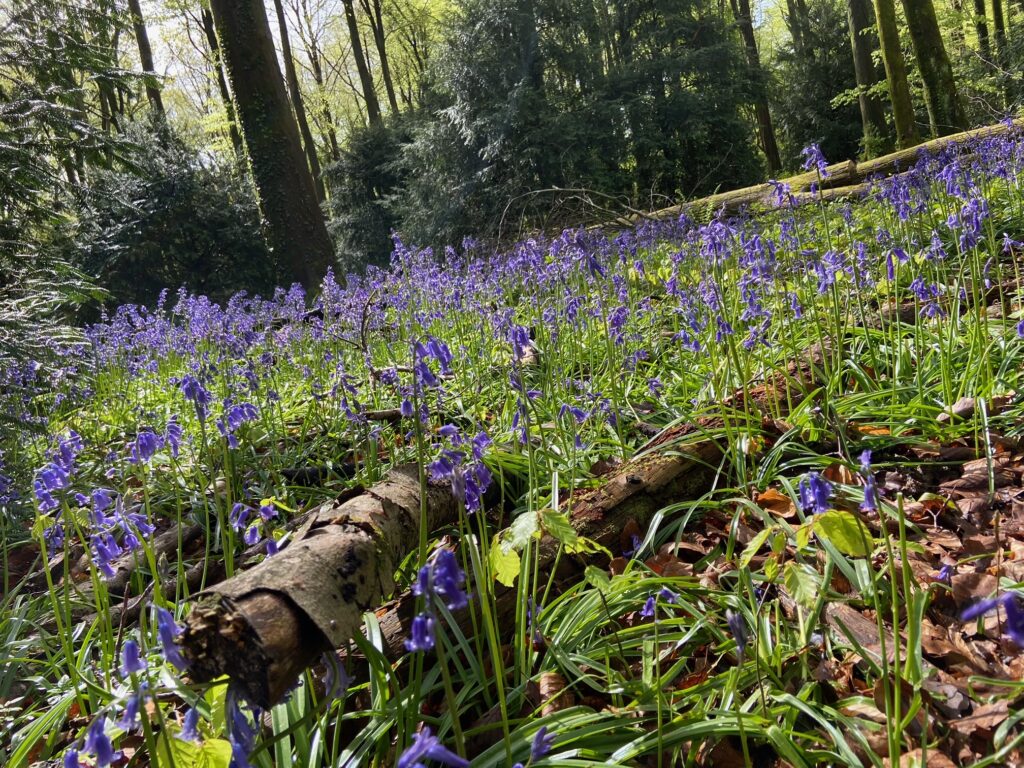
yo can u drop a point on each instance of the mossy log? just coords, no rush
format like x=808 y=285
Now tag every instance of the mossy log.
x=846 y=178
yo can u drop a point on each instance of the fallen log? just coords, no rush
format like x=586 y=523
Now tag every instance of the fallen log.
x=635 y=492
x=265 y=626
x=846 y=178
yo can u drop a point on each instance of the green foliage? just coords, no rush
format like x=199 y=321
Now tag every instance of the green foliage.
x=173 y=219
x=808 y=103
x=533 y=99
x=364 y=186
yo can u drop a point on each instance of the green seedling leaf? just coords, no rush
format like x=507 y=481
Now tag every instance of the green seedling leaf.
x=802 y=583
x=558 y=527
x=522 y=529
x=752 y=548
x=212 y=753
x=844 y=531
x=504 y=560
x=597 y=578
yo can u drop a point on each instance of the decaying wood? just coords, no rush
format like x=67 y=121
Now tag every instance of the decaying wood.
x=266 y=625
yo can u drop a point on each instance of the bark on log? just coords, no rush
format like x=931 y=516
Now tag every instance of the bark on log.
x=846 y=175
x=265 y=626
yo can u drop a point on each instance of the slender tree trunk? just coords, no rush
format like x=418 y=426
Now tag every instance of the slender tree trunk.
x=222 y=83
x=896 y=74
x=365 y=79
x=146 y=57
x=765 y=129
x=295 y=227
x=877 y=139
x=300 y=109
x=945 y=112
x=375 y=13
x=999 y=25
x=981 y=27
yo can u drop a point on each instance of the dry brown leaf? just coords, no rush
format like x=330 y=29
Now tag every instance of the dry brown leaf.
x=983 y=720
x=777 y=503
x=553 y=695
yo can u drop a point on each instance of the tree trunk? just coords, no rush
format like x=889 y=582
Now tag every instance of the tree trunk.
x=300 y=110
x=309 y=38
x=999 y=25
x=765 y=129
x=146 y=57
x=222 y=83
x=365 y=80
x=295 y=228
x=896 y=73
x=945 y=112
x=872 y=112
x=981 y=27
x=376 y=16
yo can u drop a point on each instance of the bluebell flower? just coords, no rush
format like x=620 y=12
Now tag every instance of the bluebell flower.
x=190 y=725
x=168 y=631
x=132 y=662
x=144 y=446
x=668 y=595
x=738 y=627
x=98 y=744
x=542 y=743
x=647 y=612
x=421 y=634
x=426 y=746
x=71 y=759
x=1010 y=601
x=814 y=493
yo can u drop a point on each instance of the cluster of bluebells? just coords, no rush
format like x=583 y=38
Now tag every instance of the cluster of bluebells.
x=461 y=462
x=248 y=522
x=440 y=582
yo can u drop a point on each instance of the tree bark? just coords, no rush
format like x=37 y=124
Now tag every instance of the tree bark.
x=765 y=129
x=872 y=112
x=999 y=25
x=266 y=625
x=365 y=79
x=945 y=112
x=146 y=57
x=295 y=92
x=375 y=13
x=981 y=28
x=222 y=83
x=295 y=228
x=896 y=74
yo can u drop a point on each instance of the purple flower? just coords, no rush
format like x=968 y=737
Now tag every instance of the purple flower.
x=131 y=662
x=1010 y=601
x=421 y=634
x=190 y=726
x=647 y=612
x=738 y=627
x=814 y=493
x=814 y=159
x=144 y=447
x=427 y=746
x=98 y=744
x=168 y=630
x=130 y=716
x=668 y=595
x=542 y=743
x=71 y=759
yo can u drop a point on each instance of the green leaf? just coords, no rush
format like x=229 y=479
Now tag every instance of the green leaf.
x=215 y=698
x=504 y=561
x=803 y=536
x=521 y=530
x=802 y=582
x=557 y=525
x=598 y=578
x=212 y=753
x=755 y=544
x=844 y=531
